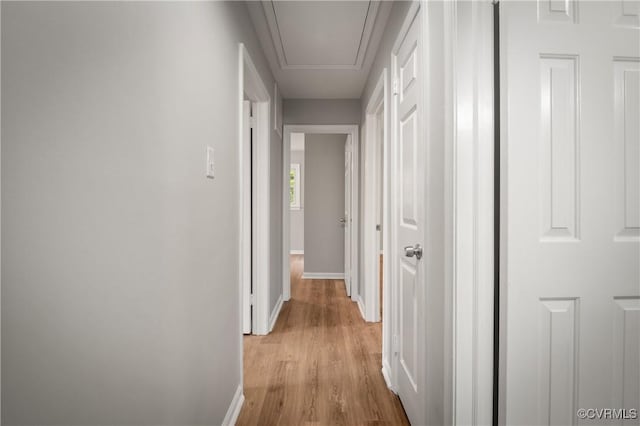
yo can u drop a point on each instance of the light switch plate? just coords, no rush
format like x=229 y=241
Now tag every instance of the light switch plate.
x=210 y=163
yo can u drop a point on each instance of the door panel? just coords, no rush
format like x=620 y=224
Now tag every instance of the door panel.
x=570 y=86
x=408 y=225
x=409 y=323
x=408 y=168
x=626 y=80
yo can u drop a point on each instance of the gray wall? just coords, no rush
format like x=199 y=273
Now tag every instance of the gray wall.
x=297 y=216
x=324 y=203
x=120 y=299
x=322 y=111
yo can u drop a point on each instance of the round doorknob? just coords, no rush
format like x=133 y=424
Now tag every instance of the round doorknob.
x=411 y=251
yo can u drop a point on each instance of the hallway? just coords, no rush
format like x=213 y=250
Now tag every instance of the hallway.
x=321 y=363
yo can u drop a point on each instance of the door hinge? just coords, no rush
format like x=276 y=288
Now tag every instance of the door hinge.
x=252 y=122
x=252 y=300
x=395 y=347
x=395 y=86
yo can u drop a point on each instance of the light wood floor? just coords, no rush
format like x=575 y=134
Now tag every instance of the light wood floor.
x=320 y=365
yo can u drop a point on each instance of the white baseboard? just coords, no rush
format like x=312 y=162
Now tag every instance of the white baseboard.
x=323 y=275
x=275 y=314
x=234 y=409
x=296 y=252
x=360 y=303
x=386 y=373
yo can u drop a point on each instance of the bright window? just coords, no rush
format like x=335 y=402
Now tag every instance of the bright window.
x=294 y=186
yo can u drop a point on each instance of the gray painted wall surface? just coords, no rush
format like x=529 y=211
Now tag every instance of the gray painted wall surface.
x=324 y=203
x=120 y=299
x=381 y=61
x=322 y=111
x=297 y=216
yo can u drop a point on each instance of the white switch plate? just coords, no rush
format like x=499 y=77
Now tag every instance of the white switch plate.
x=210 y=163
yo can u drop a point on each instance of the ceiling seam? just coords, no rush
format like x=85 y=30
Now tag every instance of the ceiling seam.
x=364 y=25
x=284 y=53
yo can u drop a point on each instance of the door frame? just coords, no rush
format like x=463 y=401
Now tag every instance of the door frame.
x=347 y=129
x=251 y=84
x=469 y=144
x=372 y=177
x=469 y=210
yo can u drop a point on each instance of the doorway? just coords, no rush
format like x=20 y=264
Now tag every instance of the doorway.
x=376 y=227
x=253 y=146
x=351 y=221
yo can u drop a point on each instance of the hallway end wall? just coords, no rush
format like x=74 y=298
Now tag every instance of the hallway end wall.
x=324 y=180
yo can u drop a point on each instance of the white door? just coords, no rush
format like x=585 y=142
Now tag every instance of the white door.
x=571 y=85
x=347 y=215
x=246 y=216
x=409 y=149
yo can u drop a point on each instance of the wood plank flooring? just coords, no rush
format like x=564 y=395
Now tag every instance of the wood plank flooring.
x=320 y=365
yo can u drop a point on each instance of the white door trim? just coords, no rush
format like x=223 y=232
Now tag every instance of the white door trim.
x=371 y=249
x=469 y=163
x=348 y=129
x=250 y=84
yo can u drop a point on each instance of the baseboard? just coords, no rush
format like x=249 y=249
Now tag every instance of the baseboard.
x=386 y=373
x=296 y=252
x=275 y=314
x=323 y=275
x=360 y=303
x=234 y=409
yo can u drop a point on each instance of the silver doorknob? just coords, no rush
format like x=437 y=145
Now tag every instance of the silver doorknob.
x=411 y=251
x=342 y=220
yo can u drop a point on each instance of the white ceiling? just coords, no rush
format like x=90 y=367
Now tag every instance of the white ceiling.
x=320 y=49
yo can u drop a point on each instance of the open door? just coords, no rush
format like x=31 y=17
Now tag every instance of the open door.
x=346 y=220
x=571 y=227
x=408 y=221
